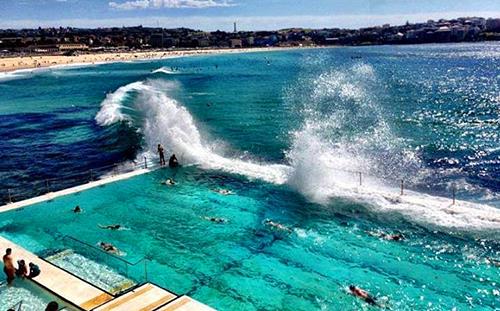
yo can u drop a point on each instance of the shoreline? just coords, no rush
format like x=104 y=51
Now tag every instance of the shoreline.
x=10 y=65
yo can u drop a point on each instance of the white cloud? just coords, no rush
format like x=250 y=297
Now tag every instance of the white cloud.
x=156 y=4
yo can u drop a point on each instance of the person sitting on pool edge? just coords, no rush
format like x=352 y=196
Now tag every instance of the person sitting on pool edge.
x=34 y=270
x=52 y=306
x=172 y=162
x=22 y=270
x=360 y=293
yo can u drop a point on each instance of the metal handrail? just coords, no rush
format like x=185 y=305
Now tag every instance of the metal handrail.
x=17 y=306
x=46 y=185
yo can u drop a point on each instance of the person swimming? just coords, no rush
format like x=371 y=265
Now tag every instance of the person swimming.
x=111 y=227
x=169 y=182
x=276 y=225
x=215 y=219
x=493 y=262
x=108 y=247
x=393 y=237
x=386 y=236
x=77 y=209
x=360 y=293
x=223 y=191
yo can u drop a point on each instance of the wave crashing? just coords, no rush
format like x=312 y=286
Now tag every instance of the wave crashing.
x=146 y=106
x=165 y=70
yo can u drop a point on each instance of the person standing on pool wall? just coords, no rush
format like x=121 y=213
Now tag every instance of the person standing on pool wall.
x=8 y=266
x=161 y=152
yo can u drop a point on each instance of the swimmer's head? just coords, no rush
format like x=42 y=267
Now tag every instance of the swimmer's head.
x=352 y=287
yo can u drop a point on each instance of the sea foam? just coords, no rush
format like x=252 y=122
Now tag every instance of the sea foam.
x=319 y=169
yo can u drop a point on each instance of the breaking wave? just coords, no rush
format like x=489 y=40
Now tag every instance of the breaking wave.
x=165 y=70
x=162 y=119
x=147 y=107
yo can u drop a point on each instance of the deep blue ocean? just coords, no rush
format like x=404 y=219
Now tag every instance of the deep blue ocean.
x=321 y=138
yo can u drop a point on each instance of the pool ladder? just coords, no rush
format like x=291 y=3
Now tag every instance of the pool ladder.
x=17 y=307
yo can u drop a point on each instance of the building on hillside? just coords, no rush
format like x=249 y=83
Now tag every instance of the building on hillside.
x=236 y=43
x=493 y=24
x=72 y=47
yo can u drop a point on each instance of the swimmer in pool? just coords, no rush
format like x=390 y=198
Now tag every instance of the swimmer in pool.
x=389 y=237
x=223 y=191
x=216 y=220
x=360 y=293
x=493 y=262
x=169 y=182
x=108 y=247
x=276 y=225
x=393 y=237
x=111 y=227
x=77 y=209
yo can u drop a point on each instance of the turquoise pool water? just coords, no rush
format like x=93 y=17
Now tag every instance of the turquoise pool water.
x=26 y=296
x=244 y=264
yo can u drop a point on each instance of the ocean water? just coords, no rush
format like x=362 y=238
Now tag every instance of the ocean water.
x=288 y=133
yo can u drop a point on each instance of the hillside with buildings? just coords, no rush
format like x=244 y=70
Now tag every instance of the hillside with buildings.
x=69 y=40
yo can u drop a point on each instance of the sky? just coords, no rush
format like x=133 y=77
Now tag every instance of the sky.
x=213 y=15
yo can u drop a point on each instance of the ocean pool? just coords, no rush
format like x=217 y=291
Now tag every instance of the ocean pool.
x=244 y=264
x=24 y=295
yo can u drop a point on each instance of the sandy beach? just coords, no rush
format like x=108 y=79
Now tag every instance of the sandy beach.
x=40 y=61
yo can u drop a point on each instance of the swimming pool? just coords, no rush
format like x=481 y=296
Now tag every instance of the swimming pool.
x=27 y=296
x=245 y=264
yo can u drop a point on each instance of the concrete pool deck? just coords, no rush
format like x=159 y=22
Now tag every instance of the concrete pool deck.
x=85 y=296
x=58 y=281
